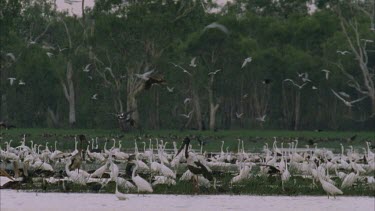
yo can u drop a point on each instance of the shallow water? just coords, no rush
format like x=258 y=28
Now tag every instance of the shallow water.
x=13 y=200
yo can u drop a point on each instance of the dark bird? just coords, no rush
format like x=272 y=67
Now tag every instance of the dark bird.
x=6 y=126
x=77 y=158
x=154 y=79
x=272 y=170
x=194 y=165
x=267 y=81
x=351 y=139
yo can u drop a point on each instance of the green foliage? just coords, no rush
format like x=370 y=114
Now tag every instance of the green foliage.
x=280 y=36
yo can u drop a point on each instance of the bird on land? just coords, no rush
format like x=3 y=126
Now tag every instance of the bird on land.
x=347 y=103
x=76 y=159
x=120 y=195
x=170 y=89
x=21 y=82
x=328 y=187
x=299 y=86
x=216 y=25
x=11 y=56
x=343 y=52
x=145 y=76
x=239 y=115
x=142 y=184
x=350 y=179
x=327 y=73
x=214 y=72
x=94 y=97
x=87 y=68
x=262 y=118
x=247 y=60
x=183 y=69
x=187 y=116
x=192 y=62
x=11 y=80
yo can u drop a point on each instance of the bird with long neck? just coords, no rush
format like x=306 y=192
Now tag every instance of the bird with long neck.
x=77 y=158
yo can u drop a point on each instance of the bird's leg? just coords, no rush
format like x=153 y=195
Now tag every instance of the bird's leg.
x=282 y=185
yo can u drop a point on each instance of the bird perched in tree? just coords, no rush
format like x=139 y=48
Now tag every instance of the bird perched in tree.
x=154 y=79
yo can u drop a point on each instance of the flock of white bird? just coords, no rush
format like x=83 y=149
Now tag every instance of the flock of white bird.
x=310 y=163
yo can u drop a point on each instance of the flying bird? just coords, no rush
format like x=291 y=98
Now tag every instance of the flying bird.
x=170 y=89
x=327 y=73
x=343 y=52
x=87 y=68
x=215 y=25
x=247 y=60
x=347 y=103
x=214 y=72
x=306 y=78
x=184 y=70
x=262 y=118
x=299 y=86
x=21 y=82
x=314 y=87
x=49 y=54
x=267 y=81
x=94 y=97
x=239 y=116
x=245 y=96
x=11 y=80
x=187 y=116
x=366 y=40
x=344 y=94
x=11 y=56
x=187 y=100
x=145 y=76
x=192 y=62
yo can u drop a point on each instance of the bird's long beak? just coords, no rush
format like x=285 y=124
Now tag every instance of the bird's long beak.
x=181 y=148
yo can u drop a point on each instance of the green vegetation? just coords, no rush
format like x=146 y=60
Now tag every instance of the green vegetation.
x=254 y=140
x=99 y=53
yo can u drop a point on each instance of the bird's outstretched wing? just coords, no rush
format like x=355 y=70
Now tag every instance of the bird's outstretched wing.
x=338 y=96
x=358 y=100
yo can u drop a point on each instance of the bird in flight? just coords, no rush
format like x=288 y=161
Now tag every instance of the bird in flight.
x=327 y=73
x=21 y=82
x=170 y=89
x=94 y=97
x=245 y=96
x=343 y=52
x=214 y=72
x=267 y=81
x=247 y=60
x=344 y=94
x=192 y=62
x=49 y=54
x=11 y=56
x=347 y=103
x=184 y=70
x=262 y=118
x=306 y=78
x=239 y=116
x=145 y=76
x=187 y=116
x=11 y=81
x=314 y=87
x=87 y=68
x=215 y=25
x=366 y=40
x=299 y=86
x=187 y=100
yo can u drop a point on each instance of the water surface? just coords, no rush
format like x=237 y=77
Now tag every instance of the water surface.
x=13 y=200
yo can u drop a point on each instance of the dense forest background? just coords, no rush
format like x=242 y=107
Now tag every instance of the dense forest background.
x=79 y=71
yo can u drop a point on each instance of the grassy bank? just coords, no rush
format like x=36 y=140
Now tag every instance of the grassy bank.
x=253 y=139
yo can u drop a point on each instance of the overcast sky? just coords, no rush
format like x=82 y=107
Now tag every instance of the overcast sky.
x=76 y=7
